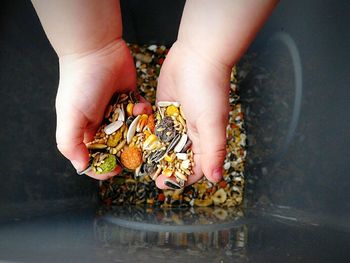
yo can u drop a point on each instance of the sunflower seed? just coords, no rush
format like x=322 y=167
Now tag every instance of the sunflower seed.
x=157 y=156
x=121 y=112
x=171 y=184
x=112 y=127
x=180 y=145
x=132 y=129
x=173 y=143
x=187 y=146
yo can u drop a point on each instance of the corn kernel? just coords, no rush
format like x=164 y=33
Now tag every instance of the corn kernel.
x=168 y=158
x=167 y=172
x=129 y=109
x=150 y=142
x=172 y=111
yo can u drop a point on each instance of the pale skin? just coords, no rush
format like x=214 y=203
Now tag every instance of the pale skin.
x=95 y=63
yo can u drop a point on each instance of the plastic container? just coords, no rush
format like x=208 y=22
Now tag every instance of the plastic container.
x=297 y=101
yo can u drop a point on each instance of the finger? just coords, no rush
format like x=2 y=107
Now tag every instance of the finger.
x=197 y=175
x=70 y=135
x=212 y=137
x=90 y=133
x=143 y=107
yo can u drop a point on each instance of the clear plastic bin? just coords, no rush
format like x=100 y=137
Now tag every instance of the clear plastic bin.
x=296 y=96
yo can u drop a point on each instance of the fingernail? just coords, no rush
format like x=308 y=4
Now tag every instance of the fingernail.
x=86 y=170
x=171 y=184
x=80 y=169
x=217 y=174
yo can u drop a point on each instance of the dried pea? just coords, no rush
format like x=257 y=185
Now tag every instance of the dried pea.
x=109 y=164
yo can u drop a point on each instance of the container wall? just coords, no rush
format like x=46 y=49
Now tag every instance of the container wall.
x=297 y=96
x=34 y=175
x=295 y=92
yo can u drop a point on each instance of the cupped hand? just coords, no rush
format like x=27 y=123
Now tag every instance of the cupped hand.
x=87 y=83
x=201 y=84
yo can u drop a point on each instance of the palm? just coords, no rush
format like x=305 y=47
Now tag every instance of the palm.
x=201 y=90
x=94 y=79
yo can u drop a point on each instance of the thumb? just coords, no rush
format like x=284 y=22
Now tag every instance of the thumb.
x=212 y=140
x=69 y=137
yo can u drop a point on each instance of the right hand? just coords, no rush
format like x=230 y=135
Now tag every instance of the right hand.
x=201 y=84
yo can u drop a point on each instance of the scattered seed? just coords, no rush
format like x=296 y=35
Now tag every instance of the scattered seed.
x=128 y=192
x=171 y=184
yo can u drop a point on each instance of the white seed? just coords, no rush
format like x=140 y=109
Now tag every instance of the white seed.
x=121 y=116
x=132 y=129
x=152 y=48
x=180 y=145
x=185 y=164
x=182 y=156
x=143 y=58
x=168 y=103
x=112 y=127
x=137 y=171
x=243 y=138
x=227 y=166
x=181 y=176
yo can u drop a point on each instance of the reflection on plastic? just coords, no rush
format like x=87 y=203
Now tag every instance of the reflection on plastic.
x=211 y=233
x=288 y=41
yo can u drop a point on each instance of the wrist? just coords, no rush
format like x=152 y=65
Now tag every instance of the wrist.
x=103 y=49
x=201 y=55
x=77 y=26
x=91 y=46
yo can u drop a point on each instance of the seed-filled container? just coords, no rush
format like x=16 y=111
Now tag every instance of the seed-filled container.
x=292 y=86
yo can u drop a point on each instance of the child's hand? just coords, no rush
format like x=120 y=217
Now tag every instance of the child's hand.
x=95 y=63
x=87 y=83
x=212 y=37
x=201 y=85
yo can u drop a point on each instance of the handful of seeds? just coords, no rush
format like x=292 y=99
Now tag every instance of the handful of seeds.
x=162 y=147
x=170 y=148
x=146 y=144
